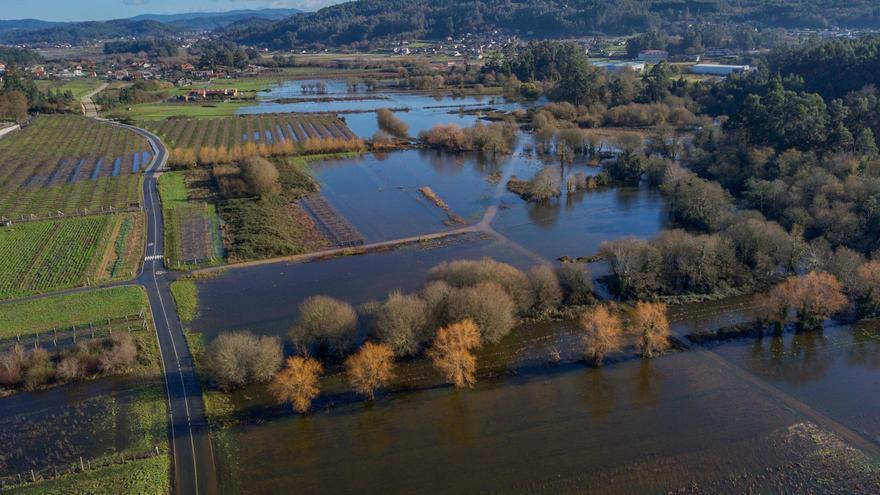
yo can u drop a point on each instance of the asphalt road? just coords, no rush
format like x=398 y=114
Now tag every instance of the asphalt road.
x=194 y=468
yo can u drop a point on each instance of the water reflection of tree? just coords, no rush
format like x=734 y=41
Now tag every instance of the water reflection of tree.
x=372 y=429
x=599 y=396
x=544 y=214
x=798 y=358
x=456 y=421
x=648 y=383
x=865 y=348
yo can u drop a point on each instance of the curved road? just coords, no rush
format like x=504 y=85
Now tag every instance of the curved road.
x=194 y=468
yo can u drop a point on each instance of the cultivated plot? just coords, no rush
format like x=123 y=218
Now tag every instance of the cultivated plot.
x=66 y=164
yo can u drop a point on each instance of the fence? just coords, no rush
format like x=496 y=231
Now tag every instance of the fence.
x=331 y=223
x=57 y=339
x=81 y=466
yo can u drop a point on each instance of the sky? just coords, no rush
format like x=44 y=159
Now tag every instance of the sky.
x=93 y=10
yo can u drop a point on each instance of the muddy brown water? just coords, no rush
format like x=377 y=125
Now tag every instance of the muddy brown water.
x=677 y=422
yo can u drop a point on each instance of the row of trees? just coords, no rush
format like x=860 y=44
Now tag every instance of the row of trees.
x=497 y=137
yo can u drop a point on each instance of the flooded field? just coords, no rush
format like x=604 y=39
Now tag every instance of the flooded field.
x=421 y=110
x=693 y=421
x=91 y=420
x=678 y=422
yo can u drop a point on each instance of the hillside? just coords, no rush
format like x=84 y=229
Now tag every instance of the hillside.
x=366 y=21
x=147 y=25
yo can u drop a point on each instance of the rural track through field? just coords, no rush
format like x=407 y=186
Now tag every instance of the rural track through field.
x=89 y=108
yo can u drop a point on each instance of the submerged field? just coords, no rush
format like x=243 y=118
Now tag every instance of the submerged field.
x=107 y=435
x=68 y=164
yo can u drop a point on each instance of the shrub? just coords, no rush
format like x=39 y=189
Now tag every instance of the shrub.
x=11 y=367
x=651 y=327
x=298 y=383
x=868 y=287
x=236 y=359
x=546 y=185
x=38 y=369
x=401 y=323
x=70 y=368
x=122 y=353
x=467 y=273
x=576 y=283
x=546 y=293
x=451 y=353
x=370 y=368
x=326 y=322
x=814 y=297
x=603 y=333
x=389 y=123
x=488 y=305
x=261 y=176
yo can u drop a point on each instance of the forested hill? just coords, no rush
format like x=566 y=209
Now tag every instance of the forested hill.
x=80 y=32
x=362 y=22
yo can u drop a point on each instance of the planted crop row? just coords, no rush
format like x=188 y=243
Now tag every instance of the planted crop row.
x=50 y=255
x=46 y=164
x=232 y=132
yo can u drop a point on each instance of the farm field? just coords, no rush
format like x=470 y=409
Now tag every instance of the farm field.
x=68 y=164
x=164 y=110
x=66 y=310
x=192 y=229
x=51 y=255
x=256 y=129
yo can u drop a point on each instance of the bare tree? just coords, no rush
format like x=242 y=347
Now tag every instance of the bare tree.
x=546 y=292
x=236 y=359
x=370 y=368
x=298 y=383
x=451 y=353
x=401 y=323
x=325 y=322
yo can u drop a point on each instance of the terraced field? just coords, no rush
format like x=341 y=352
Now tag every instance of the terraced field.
x=233 y=132
x=68 y=164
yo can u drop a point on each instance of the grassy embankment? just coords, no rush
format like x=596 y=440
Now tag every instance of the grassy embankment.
x=141 y=419
x=219 y=408
x=142 y=477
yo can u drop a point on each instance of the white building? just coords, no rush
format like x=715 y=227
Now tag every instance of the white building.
x=719 y=69
x=612 y=66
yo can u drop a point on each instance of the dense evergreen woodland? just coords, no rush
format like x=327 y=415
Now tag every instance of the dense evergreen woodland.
x=360 y=23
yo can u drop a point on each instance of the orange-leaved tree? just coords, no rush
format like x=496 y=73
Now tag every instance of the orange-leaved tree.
x=298 y=383
x=370 y=368
x=451 y=352
x=603 y=332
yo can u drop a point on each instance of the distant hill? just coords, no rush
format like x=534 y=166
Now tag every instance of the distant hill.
x=80 y=32
x=207 y=21
x=25 y=25
x=147 y=25
x=366 y=21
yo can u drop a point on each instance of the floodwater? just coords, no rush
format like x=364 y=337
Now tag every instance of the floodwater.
x=423 y=109
x=676 y=422
x=55 y=427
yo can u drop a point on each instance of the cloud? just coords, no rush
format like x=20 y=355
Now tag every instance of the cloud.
x=135 y=2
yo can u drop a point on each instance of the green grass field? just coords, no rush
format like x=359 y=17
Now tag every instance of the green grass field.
x=143 y=477
x=68 y=163
x=159 y=111
x=186 y=296
x=43 y=314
